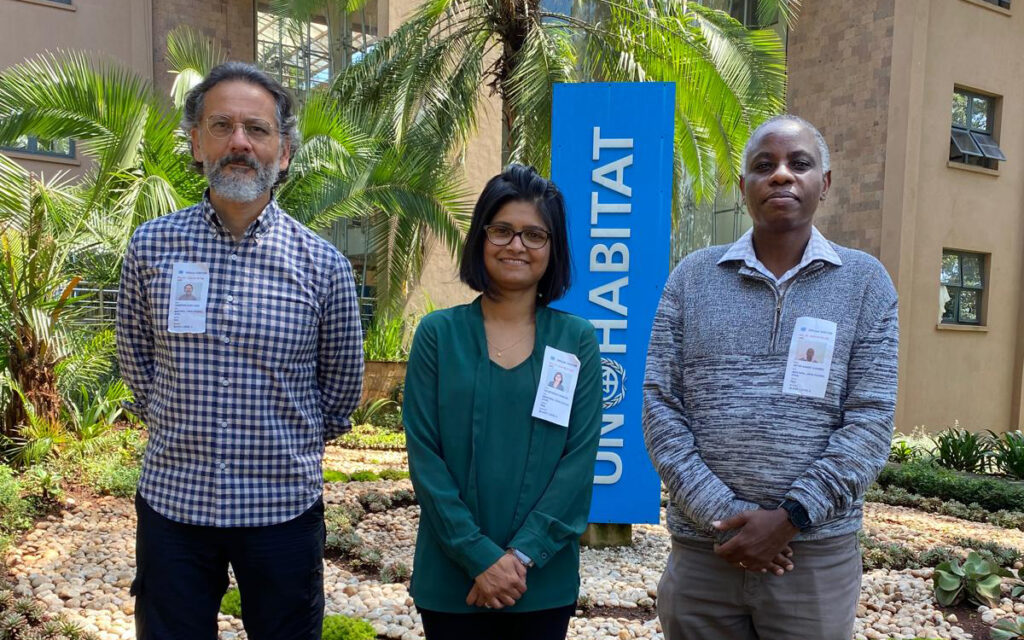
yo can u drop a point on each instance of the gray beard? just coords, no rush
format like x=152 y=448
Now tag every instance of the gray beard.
x=237 y=187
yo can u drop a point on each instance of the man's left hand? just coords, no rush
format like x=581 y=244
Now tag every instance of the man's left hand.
x=764 y=534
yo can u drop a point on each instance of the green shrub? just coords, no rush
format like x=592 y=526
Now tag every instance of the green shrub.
x=395 y=572
x=886 y=555
x=15 y=512
x=393 y=474
x=1008 y=453
x=338 y=627
x=368 y=436
x=330 y=475
x=929 y=480
x=902 y=451
x=231 y=603
x=989 y=550
x=962 y=450
x=1007 y=519
x=937 y=555
x=108 y=475
x=364 y=476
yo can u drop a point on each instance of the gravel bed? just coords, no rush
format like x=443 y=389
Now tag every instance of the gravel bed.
x=81 y=562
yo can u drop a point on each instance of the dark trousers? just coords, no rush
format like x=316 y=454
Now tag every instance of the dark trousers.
x=546 y=624
x=182 y=573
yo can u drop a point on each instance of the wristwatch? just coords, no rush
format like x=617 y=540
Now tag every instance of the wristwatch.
x=797 y=514
x=522 y=557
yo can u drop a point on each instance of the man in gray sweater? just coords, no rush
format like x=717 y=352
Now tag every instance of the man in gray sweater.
x=766 y=452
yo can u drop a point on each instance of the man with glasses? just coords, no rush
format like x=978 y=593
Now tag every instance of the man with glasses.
x=241 y=394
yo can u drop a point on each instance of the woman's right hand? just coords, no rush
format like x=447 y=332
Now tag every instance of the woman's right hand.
x=500 y=585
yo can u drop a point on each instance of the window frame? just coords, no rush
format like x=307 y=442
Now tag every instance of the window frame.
x=32 y=148
x=954 y=290
x=971 y=145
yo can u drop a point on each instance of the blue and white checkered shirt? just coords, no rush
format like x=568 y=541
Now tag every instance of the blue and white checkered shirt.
x=818 y=248
x=238 y=415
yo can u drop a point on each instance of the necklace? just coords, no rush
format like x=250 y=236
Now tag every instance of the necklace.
x=498 y=350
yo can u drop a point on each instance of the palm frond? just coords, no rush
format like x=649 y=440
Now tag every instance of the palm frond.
x=190 y=56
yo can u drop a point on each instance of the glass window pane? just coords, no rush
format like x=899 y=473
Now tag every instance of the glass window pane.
x=969 y=305
x=964 y=143
x=979 y=114
x=950 y=269
x=724 y=223
x=960 y=109
x=988 y=146
x=971 y=268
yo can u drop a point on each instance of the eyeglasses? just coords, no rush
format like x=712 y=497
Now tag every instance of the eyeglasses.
x=502 y=235
x=255 y=129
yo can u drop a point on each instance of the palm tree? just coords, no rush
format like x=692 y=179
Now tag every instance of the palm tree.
x=728 y=78
x=353 y=165
x=39 y=232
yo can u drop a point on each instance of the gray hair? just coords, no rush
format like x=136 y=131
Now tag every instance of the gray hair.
x=819 y=140
x=283 y=102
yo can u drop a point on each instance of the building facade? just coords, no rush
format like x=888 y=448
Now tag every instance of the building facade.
x=923 y=106
x=920 y=100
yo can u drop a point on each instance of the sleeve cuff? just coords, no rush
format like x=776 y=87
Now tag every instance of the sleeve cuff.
x=533 y=546
x=479 y=556
x=817 y=509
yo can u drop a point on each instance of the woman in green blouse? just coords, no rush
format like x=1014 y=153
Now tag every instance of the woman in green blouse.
x=504 y=496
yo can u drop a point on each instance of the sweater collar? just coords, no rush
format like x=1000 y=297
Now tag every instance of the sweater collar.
x=817 y=249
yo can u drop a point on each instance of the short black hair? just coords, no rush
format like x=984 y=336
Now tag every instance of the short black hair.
x=283 y=101
x=519 y=183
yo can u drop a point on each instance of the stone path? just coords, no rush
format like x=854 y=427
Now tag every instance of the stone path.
x=81 y=562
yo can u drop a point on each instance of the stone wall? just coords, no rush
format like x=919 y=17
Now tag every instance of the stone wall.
x=840 y=56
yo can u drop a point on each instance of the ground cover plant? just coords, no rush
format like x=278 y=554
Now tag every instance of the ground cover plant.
x=932 y=481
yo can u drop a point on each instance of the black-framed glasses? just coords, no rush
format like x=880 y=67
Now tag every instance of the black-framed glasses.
x=255 y=129
x=502 y=235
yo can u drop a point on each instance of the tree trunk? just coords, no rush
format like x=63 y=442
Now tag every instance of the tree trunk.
x=38 y=382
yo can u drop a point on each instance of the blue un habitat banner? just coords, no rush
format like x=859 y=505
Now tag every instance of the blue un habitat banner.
x=611 y=155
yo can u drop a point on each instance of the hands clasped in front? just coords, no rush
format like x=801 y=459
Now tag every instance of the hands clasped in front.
x=762 y=543
x=501 y=585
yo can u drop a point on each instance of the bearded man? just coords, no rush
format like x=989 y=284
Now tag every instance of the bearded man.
x=241 y=391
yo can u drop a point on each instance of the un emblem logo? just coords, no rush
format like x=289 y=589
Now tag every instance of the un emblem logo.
x=613 y=382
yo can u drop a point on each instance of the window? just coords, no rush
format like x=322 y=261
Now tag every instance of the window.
x=303 y=55
x=961 y=287
x=1000 y=3
x=971 y=140
x=63 y=148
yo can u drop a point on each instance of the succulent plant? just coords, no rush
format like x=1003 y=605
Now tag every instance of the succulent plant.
x=977 y=580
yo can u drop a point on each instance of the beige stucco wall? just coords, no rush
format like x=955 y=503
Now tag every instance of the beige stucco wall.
x=116 y=30
x=970 y=376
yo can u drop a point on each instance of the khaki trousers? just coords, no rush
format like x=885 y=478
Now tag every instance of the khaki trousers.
x=702 y=597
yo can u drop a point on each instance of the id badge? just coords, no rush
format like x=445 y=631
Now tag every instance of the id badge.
x=810 y=357
x=190 y=289
x=557 y=386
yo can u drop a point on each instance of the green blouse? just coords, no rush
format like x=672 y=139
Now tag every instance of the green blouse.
x=487 y=475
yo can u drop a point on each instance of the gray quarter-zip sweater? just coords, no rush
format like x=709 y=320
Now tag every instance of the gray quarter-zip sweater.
x=718 y=427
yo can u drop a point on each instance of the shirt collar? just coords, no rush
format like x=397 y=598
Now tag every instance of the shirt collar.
x=261 y=225
x=818 y=248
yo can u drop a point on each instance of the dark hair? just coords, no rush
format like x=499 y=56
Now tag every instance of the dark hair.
x=283 y=102
x=518 y=183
